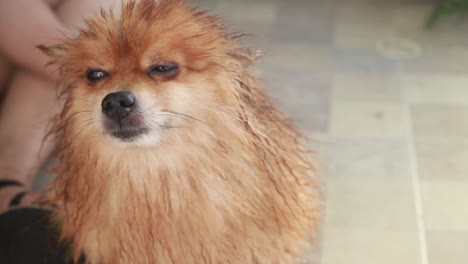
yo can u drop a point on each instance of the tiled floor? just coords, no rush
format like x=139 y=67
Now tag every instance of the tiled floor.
x=387 y=101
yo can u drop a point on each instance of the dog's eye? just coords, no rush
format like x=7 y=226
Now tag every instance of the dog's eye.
x=96 y=75
x=163 y=69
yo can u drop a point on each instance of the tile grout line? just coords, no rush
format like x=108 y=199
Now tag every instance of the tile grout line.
x=416 y=181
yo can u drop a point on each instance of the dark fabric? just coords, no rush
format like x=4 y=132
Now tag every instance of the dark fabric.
x=27 y=238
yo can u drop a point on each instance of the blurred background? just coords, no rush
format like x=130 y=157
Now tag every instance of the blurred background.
x=386 y=102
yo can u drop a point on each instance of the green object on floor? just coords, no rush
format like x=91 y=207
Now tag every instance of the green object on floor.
x=447 y=8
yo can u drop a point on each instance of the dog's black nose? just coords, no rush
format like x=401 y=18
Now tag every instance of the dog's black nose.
x=118 y=105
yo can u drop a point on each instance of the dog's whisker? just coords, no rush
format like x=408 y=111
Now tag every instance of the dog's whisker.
x=154 y=125
x=82 y=100
x=181 y=114
x=191 y=102
x=76 y=114
x=85 y=125
x=156 y=115
x=149 y=108
x=170 y=113
x=85 y=121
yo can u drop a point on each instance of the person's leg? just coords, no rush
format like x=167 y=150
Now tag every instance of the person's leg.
x=24 y=116
x=28 y=106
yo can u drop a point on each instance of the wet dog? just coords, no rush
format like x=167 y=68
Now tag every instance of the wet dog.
x=170 y=150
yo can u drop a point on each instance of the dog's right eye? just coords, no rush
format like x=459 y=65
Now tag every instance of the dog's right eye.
x=165 y=70
x=96 y=75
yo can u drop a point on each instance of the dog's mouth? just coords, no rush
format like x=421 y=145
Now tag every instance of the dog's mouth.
x=128 y=134
x=127 y=129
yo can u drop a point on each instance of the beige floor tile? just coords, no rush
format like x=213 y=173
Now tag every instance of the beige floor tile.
x=368 y=159
x=360 y=36
x=367 y=119
x=303 y=96
x=444 y=206
x=361 y=246
x=444 y=36
x=447 y=247
x=373 y=88
x=211 y=5
x=304 y=57
x=258 y=11
x=363 y=61
x=378 y=204
x=438 y=60
x=449 y=121
x=303 y=21
x=255 y=18
x=362 y=26
x=409 y=15
x=436 y=89
x=443 y=160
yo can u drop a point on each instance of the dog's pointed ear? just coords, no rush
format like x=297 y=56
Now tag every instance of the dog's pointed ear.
x=56 y=53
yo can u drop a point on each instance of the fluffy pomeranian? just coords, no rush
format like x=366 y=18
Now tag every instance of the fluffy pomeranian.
x=170 y=150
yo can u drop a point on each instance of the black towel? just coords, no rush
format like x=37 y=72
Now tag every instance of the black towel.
x=27 y=238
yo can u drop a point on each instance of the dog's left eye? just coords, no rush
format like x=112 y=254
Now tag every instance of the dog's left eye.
x=96 y=75
x=163 y=69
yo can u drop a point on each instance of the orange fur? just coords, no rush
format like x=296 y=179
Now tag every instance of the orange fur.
x=231 y=184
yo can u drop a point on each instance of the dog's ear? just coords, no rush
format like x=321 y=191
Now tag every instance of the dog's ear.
x=57 y=53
